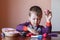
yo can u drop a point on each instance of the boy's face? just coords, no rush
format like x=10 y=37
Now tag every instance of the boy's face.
x=34 y=19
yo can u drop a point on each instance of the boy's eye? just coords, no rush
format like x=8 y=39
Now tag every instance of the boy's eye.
x=38 y=19
x=33 y=18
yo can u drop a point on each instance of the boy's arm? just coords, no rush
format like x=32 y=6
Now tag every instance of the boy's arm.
x=22 y=29
x=48 y=16
x=48 y=28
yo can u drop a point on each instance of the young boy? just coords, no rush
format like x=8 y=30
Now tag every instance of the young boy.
x=32 y=27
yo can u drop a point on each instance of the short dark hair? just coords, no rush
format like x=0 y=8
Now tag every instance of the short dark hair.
x=36 y=9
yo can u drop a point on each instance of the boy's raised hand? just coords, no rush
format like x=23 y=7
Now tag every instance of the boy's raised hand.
x=48 y=15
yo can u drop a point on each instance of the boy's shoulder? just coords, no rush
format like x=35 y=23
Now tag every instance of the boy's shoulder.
x=24 y=24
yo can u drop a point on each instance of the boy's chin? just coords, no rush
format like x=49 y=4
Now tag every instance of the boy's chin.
x=35 y=25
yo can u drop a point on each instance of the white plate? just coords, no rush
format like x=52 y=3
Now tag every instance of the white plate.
x=10 y=31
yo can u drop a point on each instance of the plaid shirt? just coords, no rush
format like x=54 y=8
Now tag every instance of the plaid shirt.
x=22 y=28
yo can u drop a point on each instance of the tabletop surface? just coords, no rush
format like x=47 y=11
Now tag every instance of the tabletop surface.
x=29 y=38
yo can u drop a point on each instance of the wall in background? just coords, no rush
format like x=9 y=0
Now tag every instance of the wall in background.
x=14 y=12
x=56 y=15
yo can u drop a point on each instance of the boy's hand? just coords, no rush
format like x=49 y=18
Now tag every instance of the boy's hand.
x=48 y=15
x=33 y=31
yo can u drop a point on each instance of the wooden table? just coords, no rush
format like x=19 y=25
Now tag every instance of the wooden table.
x=29 y=38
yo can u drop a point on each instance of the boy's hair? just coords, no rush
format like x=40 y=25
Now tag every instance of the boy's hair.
x=36 y=9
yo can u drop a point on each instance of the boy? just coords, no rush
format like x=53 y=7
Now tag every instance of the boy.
x=32 y=27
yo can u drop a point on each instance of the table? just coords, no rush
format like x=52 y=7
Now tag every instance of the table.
x=29 y=38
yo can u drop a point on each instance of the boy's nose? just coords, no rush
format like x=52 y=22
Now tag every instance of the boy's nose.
x=35 y=20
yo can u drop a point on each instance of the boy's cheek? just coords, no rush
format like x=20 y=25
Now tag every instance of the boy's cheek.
x=32 y=21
